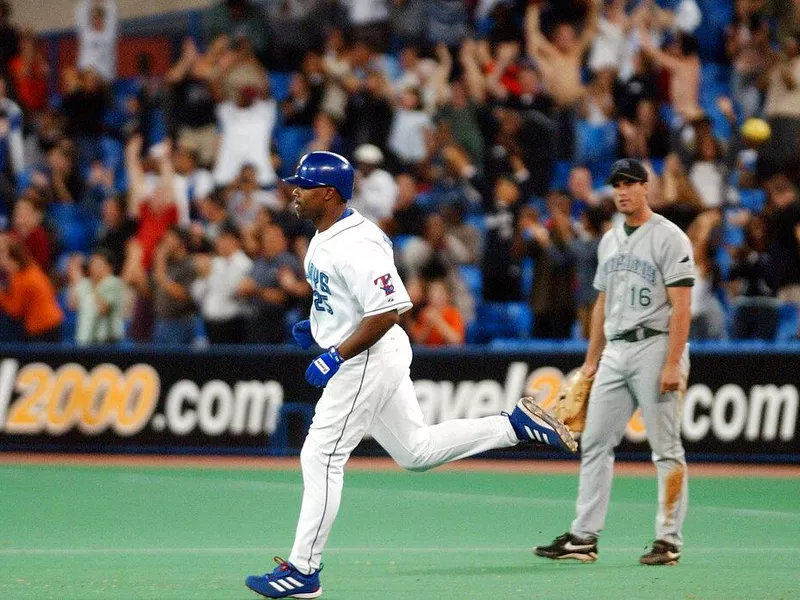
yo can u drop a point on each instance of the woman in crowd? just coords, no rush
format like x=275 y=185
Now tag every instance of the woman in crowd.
x=27 y=294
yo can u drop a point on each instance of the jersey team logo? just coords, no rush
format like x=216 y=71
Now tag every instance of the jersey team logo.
x=385 y=283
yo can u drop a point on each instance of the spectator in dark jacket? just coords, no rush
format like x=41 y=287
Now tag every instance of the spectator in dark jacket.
x=503 y=251
x=552 y=298
x=756 y=307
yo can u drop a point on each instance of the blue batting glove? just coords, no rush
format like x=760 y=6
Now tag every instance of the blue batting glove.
x=322 y=368
x=301 y=331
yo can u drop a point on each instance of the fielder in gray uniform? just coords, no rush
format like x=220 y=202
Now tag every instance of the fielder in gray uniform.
x=639 y=356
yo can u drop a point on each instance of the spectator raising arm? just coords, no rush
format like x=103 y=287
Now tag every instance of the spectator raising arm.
x=538 y=47
x=507 y=53
x=671 y=63
x=136 y=181
x=96 y=21
x=442 y=74
x=181 y=69
x=476 y=83
x=591 y=27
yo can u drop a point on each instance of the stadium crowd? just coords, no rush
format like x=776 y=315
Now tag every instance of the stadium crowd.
x=150 y=209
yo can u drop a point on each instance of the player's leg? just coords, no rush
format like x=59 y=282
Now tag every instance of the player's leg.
x=662 y=419
x=341 y=419
x=400 y=429
x=610 y=408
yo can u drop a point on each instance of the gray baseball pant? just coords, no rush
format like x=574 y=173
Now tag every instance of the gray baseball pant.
x=628 y=376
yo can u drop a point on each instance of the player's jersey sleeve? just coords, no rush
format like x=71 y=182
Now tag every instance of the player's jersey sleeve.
x=678 y=259
x=373 y=280
x=600 y=283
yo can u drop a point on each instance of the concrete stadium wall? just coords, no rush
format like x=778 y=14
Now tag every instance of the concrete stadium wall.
x=48 y=15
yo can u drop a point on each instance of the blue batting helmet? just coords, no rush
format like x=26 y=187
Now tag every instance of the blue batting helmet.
x=324 y=169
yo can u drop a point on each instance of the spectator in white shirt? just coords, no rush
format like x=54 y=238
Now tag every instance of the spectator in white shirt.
x=217 y=289
x=608 y=45
x=369 y=20
x=375 y=190
x=12 y=156
x=192 y=184
x=246 y=134
x=409 y=126
x=96 y=21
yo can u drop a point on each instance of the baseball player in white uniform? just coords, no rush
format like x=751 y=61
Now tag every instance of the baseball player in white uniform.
x=639 y=332
x=357 y=298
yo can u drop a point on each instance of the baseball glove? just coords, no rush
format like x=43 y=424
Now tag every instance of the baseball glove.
x=573 y=401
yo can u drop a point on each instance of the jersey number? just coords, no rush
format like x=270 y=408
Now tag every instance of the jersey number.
x=321 y=302
x=641 y=294
x=321 y=297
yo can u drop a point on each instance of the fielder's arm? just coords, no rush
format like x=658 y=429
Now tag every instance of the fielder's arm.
x=680 y=297
x=597 y=338
x=368 y=332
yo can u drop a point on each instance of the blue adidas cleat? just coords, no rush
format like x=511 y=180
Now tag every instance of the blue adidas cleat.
x=286 y=582
x=532 y=423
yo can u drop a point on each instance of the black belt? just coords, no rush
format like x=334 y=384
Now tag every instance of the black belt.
x=636 y=335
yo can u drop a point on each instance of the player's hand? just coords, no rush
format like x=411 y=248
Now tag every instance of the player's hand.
x=670 y=379
x=589 y=369
x=301 y=332
x=322 y=368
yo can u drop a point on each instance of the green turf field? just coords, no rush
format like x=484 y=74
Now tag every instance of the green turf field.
x=113 y=532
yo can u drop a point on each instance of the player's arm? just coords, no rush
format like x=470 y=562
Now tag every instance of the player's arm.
x=680 y=297
x=597 y=337
x=370 y=330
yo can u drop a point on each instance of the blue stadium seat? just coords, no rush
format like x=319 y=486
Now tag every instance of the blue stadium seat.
x=528 y=266
x=477 y=221
x=560 y=174
x=788 y=322
x=400 y=241
x=724 y=262
x=753 y=200
x=473 y=279
x=75 y=228
x=732 y=235
x=595 y=143
x=719 y=123
x=600 y=170
x=70 y=322
x=500 y=320
x=711 y=33
x=427 y=201
x=124 y=87
x=290 y=142
x=279 y=84
x=658 y=165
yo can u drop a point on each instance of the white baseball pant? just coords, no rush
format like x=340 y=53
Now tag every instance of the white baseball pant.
x=373 y=392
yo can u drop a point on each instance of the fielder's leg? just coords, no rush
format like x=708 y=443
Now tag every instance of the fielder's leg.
x=610 y=408
x=662 y=419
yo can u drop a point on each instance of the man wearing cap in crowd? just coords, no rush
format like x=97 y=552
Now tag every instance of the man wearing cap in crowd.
x=375 y=190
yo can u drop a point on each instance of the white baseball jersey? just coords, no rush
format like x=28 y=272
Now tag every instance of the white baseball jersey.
x=350 y=267
x=635 y=270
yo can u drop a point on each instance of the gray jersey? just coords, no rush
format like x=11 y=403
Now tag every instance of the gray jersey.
x=635 y=270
